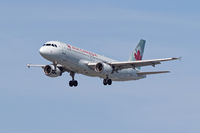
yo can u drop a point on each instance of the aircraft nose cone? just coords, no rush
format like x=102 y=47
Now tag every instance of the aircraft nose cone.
x=43 y=51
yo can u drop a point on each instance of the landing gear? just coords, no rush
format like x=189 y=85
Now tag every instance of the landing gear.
x=73 y=82
x=107 y=81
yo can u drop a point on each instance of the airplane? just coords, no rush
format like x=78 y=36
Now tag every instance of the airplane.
x=68 y=58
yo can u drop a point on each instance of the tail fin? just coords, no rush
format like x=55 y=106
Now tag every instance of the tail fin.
x=137 y=54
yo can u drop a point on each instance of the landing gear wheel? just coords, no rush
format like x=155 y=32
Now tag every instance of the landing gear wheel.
x=107 y=81
x=73 y=83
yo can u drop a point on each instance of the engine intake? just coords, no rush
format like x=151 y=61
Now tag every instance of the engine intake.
x=50 y=71
x=99 y=67
x=103 y=68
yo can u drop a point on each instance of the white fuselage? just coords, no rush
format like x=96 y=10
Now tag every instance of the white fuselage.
x=75 y=59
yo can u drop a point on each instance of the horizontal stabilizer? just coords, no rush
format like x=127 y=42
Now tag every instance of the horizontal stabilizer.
x=149 y=73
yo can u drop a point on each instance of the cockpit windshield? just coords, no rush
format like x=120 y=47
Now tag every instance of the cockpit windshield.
x=53 y=45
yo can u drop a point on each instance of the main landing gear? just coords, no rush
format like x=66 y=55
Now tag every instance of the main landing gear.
x=73 y=82
x=107 y=81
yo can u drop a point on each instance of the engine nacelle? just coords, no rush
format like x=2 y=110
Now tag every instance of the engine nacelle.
x=50 y=71
x=103 y=68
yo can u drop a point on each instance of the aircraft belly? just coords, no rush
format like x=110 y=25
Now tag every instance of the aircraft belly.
x=125 y=75
x=72 y=62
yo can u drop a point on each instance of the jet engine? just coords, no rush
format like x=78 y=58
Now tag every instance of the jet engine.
x=103 y=68
x=50 y=71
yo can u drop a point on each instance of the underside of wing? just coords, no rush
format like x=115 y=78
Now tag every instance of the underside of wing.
x=140 y=63
x=149 y=73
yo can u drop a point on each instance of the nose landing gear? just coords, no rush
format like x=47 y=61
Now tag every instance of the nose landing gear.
x=73 y=82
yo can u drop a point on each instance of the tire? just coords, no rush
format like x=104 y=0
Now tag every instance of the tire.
x=105 y=82
x=71 y=83
x=75 y=83
x=109 y=81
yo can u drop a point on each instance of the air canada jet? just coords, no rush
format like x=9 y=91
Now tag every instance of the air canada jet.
x=68 y=58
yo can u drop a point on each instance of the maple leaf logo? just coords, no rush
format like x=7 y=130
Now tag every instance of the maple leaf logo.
x=137 y=55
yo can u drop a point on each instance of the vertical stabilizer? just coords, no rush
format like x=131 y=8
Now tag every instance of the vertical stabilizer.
x=137 y=54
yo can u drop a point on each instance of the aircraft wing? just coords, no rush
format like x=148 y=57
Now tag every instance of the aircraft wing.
x=35 y=65
x=139 y=63
x=40 y=65
x=43 y=66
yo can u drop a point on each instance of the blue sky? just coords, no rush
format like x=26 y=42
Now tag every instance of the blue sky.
x=31 y=102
